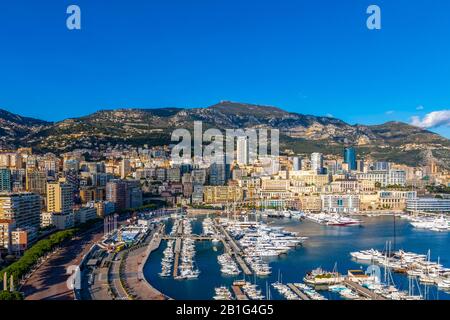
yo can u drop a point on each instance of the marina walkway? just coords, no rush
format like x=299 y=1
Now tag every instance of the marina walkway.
x=362 y=291
x=228 y=242
x=232 y=248
x=176 y=260
x=298 y=292
x=238 y=293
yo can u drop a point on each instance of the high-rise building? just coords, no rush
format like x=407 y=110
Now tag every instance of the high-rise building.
x=23 y=208
x=135 y=196
x=5 y=180
x=18 y=180
x=217 y=174
x=296 y=164
x=242 y=151
x=11 y=160
x=317 y=162
x=360 y=165
x=350 y=158
x=116 y=192
x=397 y=177
x=36 y=182
x=125 y=168
x=161 y=174
x=381 y=166
x=71 y=164
x=59 y=197
x=174 y=174
x=51 y=167
x=6 y=228
x=197 y=193
x=199 y=176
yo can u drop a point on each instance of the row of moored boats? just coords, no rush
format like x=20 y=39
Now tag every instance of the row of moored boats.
x=410 y=263
x=330 y=219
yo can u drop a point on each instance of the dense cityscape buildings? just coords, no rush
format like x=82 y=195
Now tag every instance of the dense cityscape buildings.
x=45 y=193
x=47 y=190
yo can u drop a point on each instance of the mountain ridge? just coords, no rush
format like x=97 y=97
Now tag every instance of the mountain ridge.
x=298 y=132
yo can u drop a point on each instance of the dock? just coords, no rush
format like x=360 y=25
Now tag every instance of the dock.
x=180 y=229
x=193 y=237
x=243 y=265
x=177 y=256
x=229 y=244
x=298 y=292
x=233 y=249
x=238 y=293
x=362 y=291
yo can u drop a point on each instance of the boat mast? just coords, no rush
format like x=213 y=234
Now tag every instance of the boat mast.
x=385 y=263
x=395 y=230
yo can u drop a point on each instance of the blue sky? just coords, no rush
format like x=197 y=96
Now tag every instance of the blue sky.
x=307 y=56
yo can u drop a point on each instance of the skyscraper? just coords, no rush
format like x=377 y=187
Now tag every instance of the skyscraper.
x=116 y=192
x=36 y=181
x=317 y=162
x=20 y=215
x=296 y=164
x=217 y=174
x=125 y=168
x=59 y=197
x=242 y=151
x=360 y=165
x=5 y=180
x=350 y=158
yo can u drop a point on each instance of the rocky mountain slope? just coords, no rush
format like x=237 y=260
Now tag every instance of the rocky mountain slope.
x=15 y=128
x=393 y=141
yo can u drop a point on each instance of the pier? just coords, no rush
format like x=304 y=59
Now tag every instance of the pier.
x=229 y=244
x=362 y=291
x=238 y=293
x=180 y=229
x=298 y=292
x=177 y=256
x=228 y=238
x=232 y=248
x=193 y=237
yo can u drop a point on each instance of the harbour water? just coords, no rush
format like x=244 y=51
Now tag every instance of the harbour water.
x=326 y=246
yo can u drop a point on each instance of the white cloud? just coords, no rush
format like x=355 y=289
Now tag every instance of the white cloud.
x=432 y=120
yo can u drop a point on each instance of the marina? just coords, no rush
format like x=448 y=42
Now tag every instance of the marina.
x=433 y=223
x=411 y=264
x=306 y=292
x=285 y=291
x=332 y=219
x=325 y=246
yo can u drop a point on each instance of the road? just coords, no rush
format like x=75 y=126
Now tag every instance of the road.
x=48 y=282
x=115 y=276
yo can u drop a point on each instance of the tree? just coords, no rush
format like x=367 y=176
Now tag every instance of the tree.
x=6 y=295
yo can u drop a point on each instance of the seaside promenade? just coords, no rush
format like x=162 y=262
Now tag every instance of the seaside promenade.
x=134 y=282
